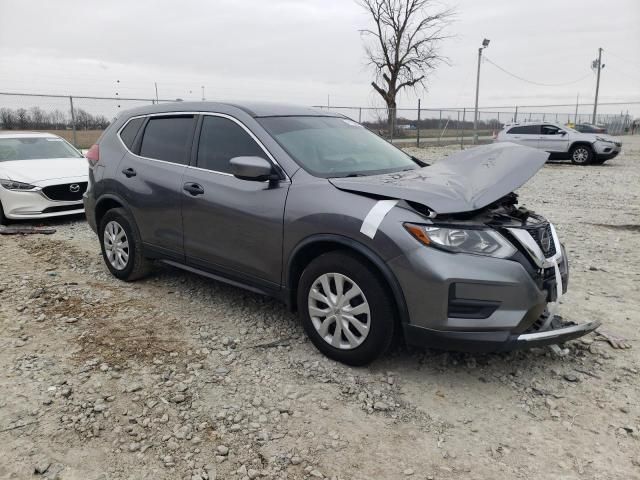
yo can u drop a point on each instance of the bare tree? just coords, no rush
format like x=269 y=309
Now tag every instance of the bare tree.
x=22 y=118
x=404 y=46
x=7 y=119
x=38 y=118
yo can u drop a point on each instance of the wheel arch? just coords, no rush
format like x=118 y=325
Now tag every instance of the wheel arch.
x=315 y=245
x=108 y=202
x=578 y=143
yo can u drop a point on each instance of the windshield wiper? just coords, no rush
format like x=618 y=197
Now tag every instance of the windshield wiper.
x=422 y=163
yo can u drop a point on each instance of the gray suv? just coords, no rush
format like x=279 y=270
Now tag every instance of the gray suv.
x=363 y=240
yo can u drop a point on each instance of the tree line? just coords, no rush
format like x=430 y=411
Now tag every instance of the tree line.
x=35 y=118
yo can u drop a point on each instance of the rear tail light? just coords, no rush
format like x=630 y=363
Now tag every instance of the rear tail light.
x=93 y=155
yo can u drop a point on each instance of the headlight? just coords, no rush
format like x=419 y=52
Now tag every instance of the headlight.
x=13 y=185
x=606 y=140
x=458 y=240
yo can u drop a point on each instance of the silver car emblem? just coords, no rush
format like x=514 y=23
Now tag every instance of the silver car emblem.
x=545 y=241
x=74 y=188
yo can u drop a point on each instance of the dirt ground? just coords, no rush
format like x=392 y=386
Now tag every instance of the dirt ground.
x=181 y=377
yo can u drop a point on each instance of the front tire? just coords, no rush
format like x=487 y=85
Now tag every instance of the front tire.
x=581 y=155
x=121 y=246
x=3 y=219
x=345 y=308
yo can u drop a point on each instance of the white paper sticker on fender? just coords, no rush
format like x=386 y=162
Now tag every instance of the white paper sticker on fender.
x=375 y=216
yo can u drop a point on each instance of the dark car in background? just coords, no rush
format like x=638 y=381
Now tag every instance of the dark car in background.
x=311 y=208
x=589 y=128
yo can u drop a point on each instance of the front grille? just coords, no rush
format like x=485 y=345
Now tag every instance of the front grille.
x=65 y=192
x=618 y=144
x=538 y=233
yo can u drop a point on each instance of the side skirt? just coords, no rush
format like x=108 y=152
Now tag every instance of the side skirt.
x=274 y=293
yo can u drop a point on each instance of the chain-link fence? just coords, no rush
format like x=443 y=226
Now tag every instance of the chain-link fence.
x=428 y=126
x=78 y=119
x=81 y=119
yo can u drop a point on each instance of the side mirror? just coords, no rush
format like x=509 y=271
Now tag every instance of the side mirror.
x=255 y=169
x=562 y=132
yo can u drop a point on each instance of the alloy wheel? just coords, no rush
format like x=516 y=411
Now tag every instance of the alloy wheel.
x=580 y=155
x=339 y=311
x=116 y=245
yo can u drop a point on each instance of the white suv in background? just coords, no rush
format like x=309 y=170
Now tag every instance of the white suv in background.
x=562 y=142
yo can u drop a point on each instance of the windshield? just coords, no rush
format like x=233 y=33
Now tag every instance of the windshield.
x=35 y=148
x=336 y=147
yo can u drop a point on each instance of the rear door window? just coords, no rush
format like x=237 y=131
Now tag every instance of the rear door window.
x=167 y=138
x=221 y=140
x=128 y=133
x=525 y=130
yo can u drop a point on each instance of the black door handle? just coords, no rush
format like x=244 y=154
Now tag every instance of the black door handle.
x=193 y=188
x=129 y=172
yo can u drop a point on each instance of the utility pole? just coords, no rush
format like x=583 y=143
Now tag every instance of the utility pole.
x=156 y=85
x=597 y=64
x=73 y=123
x=203 y=93
x=485 y=44
x=418 y=126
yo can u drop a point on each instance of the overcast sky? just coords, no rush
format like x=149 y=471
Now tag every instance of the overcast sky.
x=302 y=51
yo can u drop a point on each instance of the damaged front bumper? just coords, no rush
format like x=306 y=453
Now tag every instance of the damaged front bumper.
x=487 y=304
x=558 y=332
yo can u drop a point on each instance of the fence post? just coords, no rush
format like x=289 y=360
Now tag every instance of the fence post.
x=393 y=124
x=418 y=126
x=360 y=115
x=73 y=122
x=440 y=127
x=464 y=114
x=515 y=115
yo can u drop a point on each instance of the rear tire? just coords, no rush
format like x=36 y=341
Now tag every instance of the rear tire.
x=121 y=246
x=581 y=155
x=353 y=286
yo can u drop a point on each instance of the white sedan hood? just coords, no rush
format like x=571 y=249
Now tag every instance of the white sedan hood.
x=45 y=170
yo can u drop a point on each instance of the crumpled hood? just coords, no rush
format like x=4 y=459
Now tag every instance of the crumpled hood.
x=463 y=182
x=35 y=171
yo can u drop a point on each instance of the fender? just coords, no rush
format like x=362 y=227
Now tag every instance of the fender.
x=115 y=197
x=363 y=250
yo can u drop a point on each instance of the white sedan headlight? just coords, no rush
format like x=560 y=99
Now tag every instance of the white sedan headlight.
x=13 y=185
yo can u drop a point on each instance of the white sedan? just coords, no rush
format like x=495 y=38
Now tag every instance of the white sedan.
x=41 y=175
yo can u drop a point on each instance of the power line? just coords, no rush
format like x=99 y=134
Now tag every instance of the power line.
x=531 y=81
x=626 y=74
x=633 y=64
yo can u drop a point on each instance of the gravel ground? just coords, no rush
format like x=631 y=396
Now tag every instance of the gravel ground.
x=177 y=376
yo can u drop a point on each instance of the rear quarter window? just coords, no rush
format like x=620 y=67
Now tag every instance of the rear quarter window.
x=129 y=132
